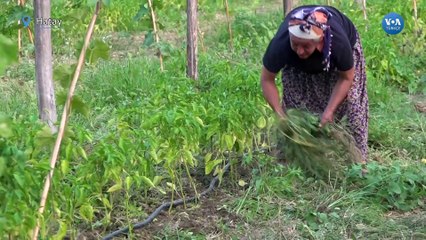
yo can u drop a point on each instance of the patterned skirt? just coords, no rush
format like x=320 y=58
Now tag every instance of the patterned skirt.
x=312 y=92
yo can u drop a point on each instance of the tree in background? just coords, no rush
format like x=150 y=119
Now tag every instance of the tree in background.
x=43 y=64
x=287 y=6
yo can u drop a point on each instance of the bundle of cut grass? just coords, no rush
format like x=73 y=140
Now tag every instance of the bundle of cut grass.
x=325 y=152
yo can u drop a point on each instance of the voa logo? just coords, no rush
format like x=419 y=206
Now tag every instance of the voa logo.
x=393 y=23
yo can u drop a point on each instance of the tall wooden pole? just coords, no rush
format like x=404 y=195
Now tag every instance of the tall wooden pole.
x=192 y=68
x=157 y=38
x=364 y=8
x=415 y=16
x=19 y=37
x=43 y=64
x=228 y=19
x=287 y=6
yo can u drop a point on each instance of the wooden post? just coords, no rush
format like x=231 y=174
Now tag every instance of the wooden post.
x=30 y=34
x=287 y=6
x=19 y=37
x=43 y=64
x=191 y=45
x=157 y=39
x=415 y=16
x=364 y=8
x=19 y=43
x=228 y=19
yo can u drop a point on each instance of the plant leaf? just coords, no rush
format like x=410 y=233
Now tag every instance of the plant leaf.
x=106 y=202
x=86 y=212
x=5 y=130
x=62 y=232
x=19 y=179
x=128 y=182
x=208 y=157
x=189 y=158
x=211 y=165
x=171 y=185
x=143 y=10
x=65 y=166
x=2 y=166
x=148 y=181
x=116 y=187
x=8 y=52
x=395 y=188
x=64 y=74
x=98 y=49
x=261 y=122
x=157 y=180
x=149 y=39
x=230 y=141
x=107 y=3
x=242 y=183
x=82 y=152
x=200 y=121
x=79 y=106
x=44 y=137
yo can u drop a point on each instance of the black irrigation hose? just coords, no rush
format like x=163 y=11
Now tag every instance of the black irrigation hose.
x=165 y=206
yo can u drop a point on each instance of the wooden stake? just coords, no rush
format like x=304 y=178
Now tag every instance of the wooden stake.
x=287 y=6
x=191 y=36
x=415 y=15
x=231 y=41
x=19 y=43
x=19 y=37
x=30 y=35
x=364 y=8
x=157 y=39
x=64 y=120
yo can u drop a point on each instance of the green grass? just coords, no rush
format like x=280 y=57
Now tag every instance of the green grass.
x=394 y=123
x=321 y=210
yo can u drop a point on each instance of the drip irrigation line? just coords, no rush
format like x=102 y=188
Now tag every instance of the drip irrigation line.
x=165 y=206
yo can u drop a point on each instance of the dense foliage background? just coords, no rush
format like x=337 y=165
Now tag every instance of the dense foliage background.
x=138 y=136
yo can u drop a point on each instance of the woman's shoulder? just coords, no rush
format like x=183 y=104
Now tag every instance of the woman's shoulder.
x=343 y=28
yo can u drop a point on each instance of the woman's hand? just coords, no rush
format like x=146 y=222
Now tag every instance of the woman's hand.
x=327 y=117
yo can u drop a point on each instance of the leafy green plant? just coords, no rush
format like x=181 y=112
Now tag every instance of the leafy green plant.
x=396 y=187
x=22 y=164
x=272 y=178
x=8 y=51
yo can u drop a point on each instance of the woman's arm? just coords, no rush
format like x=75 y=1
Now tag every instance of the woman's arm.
x=340 y=91
x=270 y=91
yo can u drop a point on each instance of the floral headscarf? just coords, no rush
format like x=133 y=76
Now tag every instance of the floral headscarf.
x=311 y=24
